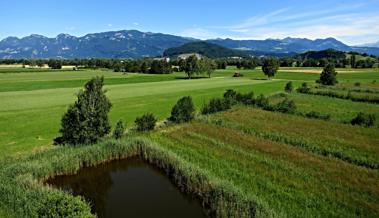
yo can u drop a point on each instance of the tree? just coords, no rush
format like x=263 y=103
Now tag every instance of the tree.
x=270 y=67
x=328 y=75
x=288 y=87
x=249 y=63
x=352 y=61
x=222 y=64
x=191 y=66
x=183 y=111
x=54 y=64
x=182 y=65
x=87 y=119
x=144 y=67
x=119 y=130
x=146 y=122
x=207 y=66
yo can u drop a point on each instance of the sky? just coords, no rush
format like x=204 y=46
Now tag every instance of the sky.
x=353 y=22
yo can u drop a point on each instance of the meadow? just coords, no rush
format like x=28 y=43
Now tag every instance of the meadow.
x=272 y=164
x=32 y=102
x=30 y=118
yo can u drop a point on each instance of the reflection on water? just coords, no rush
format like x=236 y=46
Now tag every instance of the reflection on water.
x=129 y=188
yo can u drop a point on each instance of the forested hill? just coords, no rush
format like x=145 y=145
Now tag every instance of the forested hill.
x=204 y=48
x=329 y=53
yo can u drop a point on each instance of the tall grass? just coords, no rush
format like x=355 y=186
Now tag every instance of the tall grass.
x=293 y=181
x=22 y=188
x=322 y=138
x=353 y=96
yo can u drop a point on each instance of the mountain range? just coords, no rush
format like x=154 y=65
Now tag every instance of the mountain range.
x=375 y=44
x=136 y=44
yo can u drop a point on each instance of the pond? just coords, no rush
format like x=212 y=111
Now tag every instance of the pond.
x=129 y=188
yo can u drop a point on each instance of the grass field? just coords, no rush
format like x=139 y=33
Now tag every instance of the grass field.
x=32 y=102
x=297 y=166
x=30 y=117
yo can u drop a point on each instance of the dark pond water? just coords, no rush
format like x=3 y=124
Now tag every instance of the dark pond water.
x=129 y=188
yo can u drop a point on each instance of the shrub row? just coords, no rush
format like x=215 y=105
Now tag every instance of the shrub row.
x=353 y=89
x=305 y=89
x=232 y=97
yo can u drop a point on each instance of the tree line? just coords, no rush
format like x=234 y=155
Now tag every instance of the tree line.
x=192 y=66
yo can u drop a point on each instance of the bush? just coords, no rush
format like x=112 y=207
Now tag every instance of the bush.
x=183 y=111
x=146 y=122
x=262 y=102
x=216 y=105
x=247 y=99
x=230 y=94
x=317 y=115
x=119 y=130
x=288 y=87
x=286 y=106
x=364 y=119
x=357 y=84
x=303 y=88
x=87 y=119
x=233 y=97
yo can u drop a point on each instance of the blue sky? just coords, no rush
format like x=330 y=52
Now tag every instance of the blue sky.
x=353 y=22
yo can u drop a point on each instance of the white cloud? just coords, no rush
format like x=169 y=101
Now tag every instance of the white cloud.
x=135 y=23
x=351 y=30
x=199 y=33
x=110 y=25
x=347 y=23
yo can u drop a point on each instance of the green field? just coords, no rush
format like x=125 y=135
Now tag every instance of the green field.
x=297 y=166
x=30 y=117
x=32 y=102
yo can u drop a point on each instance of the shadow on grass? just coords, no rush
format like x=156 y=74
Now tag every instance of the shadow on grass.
x=259 y=79
x=186 y=78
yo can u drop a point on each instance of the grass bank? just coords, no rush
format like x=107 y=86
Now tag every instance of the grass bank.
x=23 y=192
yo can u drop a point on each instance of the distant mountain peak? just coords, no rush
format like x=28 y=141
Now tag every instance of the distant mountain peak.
x=36 y=36
x=136 y=44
